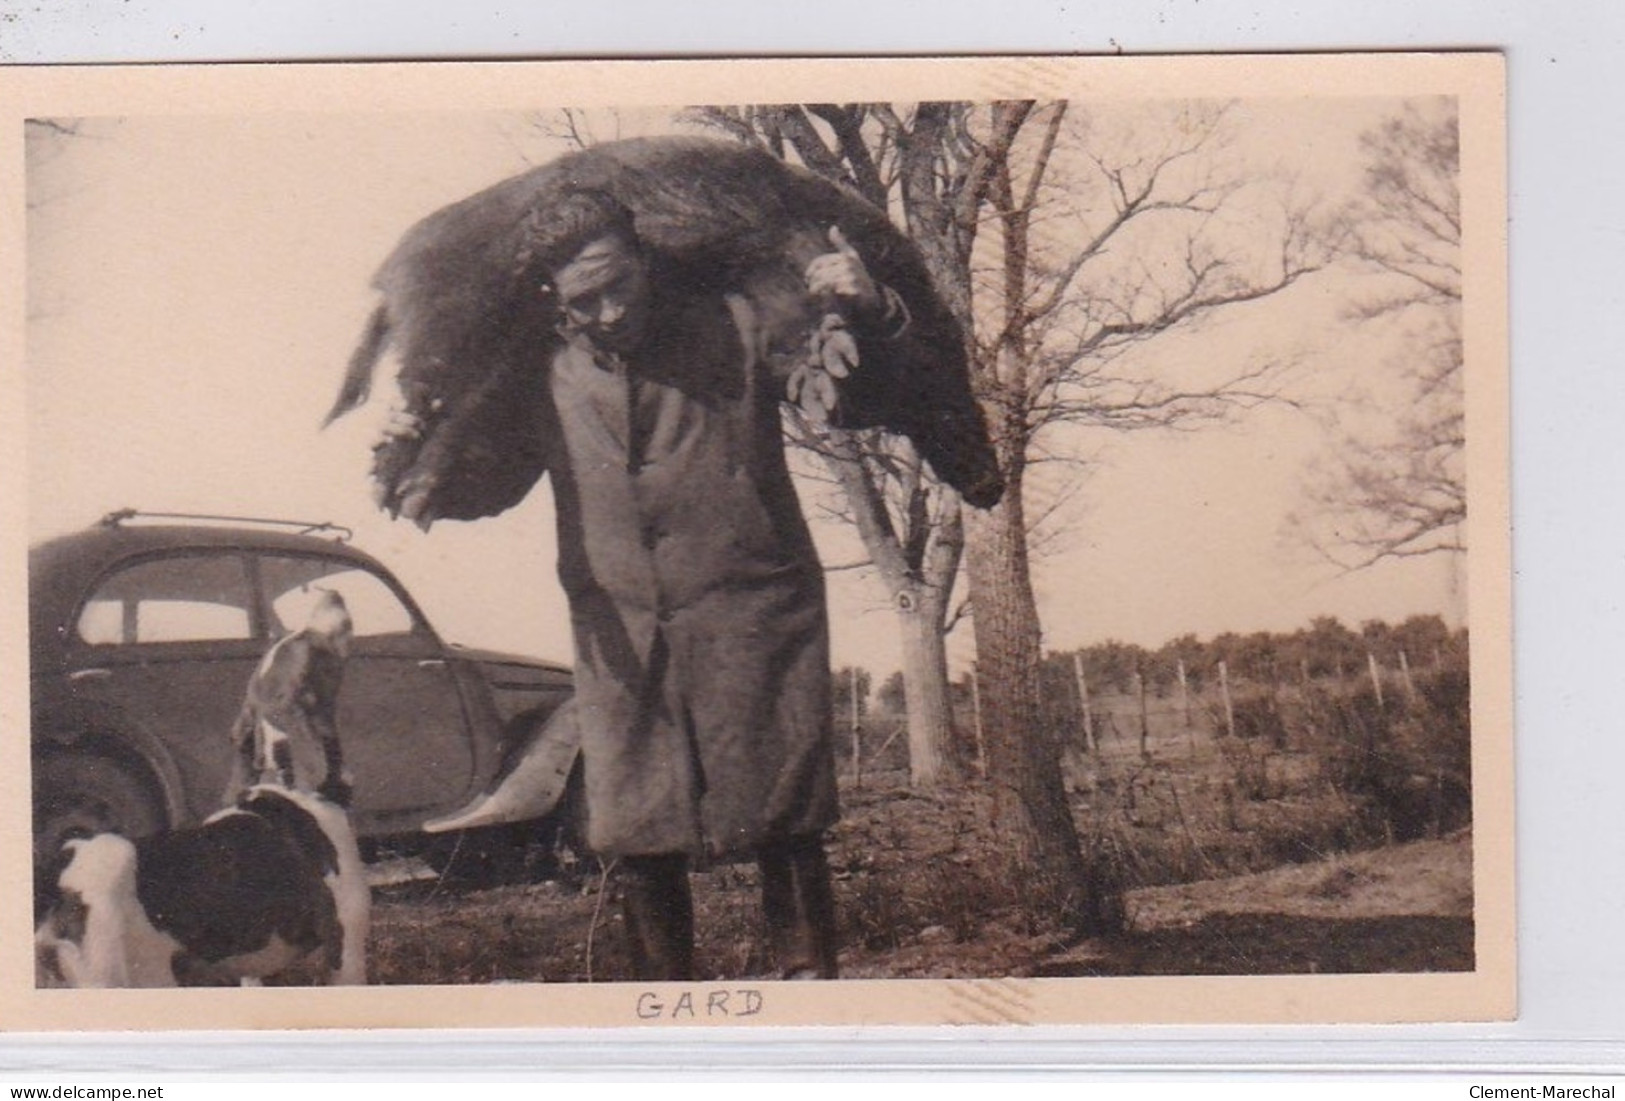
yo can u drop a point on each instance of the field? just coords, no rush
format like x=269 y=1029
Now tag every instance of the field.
x=1336 y=840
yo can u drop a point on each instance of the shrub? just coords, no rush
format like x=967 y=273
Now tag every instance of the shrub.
x=1407 y=759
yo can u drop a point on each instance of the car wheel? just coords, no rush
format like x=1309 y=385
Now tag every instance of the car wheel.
x=80 y=794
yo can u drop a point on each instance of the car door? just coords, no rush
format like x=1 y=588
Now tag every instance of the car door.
x=403 y=726
x=165 y=644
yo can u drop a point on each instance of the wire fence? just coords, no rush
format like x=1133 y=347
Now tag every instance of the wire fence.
x=1203 y=776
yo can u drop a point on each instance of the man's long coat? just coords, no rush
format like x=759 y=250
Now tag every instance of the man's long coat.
x=697 y=599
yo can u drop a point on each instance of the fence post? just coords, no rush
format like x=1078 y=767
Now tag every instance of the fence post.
x=1185 y=706
x=1145 y=723
x=1405 y=672
x=976 y=710
x=1376 y=675
x=857 y=735
x=1229 y=705
x=1089 y=739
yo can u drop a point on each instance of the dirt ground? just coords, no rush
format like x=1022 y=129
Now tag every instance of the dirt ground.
x=921 y=895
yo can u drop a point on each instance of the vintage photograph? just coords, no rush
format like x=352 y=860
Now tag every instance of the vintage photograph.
x=616 y=540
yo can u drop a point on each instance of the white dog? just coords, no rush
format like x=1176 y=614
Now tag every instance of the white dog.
x=273 y=881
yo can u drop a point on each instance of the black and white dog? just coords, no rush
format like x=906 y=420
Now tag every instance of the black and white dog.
x=272 y=882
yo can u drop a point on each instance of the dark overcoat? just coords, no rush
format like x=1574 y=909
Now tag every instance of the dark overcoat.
x=697 y=599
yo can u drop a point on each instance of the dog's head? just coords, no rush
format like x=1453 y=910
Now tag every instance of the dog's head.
x=330 y=622
x=293 y=706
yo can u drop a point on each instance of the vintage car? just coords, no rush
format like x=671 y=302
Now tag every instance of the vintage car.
x=145 y=628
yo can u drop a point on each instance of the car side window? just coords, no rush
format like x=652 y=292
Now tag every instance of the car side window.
x=293 y=585
x=178 y=598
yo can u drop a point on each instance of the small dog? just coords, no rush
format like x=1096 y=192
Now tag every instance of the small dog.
x=272 y=881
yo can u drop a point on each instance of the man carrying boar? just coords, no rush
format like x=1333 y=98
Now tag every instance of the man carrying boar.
x=696 y=597
x=629 y=318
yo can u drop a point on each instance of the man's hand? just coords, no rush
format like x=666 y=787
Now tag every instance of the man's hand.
x=842 y=274
x=851 y=294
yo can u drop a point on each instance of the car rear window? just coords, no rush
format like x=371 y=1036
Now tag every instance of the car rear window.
x=181 y=598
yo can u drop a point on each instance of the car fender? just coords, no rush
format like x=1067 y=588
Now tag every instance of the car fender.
x=533 y=779
x=97 y=728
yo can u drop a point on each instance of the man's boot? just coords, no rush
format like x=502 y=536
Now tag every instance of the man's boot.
x=659 y=912
x=799 y=905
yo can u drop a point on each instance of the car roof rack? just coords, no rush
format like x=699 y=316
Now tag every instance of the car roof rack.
x=303 y=527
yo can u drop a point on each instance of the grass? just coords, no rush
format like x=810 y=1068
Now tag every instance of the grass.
x=1265 y=854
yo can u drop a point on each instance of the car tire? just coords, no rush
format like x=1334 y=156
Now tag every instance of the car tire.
x=80 y=794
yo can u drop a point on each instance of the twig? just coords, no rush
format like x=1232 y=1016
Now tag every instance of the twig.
x=445 y=869
x=885 y=745
x=1186 y=826
x=598 y=909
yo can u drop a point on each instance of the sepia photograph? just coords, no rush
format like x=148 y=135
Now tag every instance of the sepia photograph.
x=1020 y=540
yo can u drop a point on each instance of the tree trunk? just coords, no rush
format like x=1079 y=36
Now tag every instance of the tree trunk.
x=918 y=570
x=931 y=757
x=1024 y=768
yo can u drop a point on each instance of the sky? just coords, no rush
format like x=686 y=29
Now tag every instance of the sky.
x=196 y=285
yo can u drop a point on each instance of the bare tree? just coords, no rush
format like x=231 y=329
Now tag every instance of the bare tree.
x=46 y=143
x=912 y=531
x=45 y=139
x=1394 y=484
x=569 y=127
x=1148 y=239
x=54 y=173
x=1063 y=259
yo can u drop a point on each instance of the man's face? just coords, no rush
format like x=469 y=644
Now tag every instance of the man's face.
x=604 y=293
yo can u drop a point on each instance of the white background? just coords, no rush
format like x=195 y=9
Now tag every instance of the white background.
x=1567 y=119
